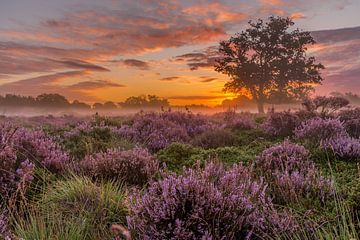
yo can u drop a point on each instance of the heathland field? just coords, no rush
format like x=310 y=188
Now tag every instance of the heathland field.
x=180 y=175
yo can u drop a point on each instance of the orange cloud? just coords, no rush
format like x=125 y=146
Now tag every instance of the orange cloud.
x=297 y=15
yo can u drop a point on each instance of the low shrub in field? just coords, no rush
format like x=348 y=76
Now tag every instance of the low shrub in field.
x=240 y=121
x=158 y=130
x=135 y=166
x=351 y=120
x=215 y=138
x=74 y=208
x=344 y=147
x=325 y=105
x=178 y=155
x=281 y=124
x=21 y=150
x=4 y=228
x=292 y=177
x=87 y=138
x=305 y=115
x=317 y=129
x=209 y=204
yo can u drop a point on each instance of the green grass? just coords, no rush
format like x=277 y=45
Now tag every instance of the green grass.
x=74 y=208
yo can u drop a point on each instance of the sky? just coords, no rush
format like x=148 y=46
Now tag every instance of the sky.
x=96 y=51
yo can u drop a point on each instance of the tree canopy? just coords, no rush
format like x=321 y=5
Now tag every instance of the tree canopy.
x=269 y=61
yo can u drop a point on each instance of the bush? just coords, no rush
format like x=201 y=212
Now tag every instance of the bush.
x=74 y=208
x=4 y=228
x=21 y=150
x=292 y=177
x=158 y=130
x=208 y=204
x=239 y=121
x=135 y=166
x=317 y=129
x=325 y=105
x=344 y=147
x=351 y=120
x=215 y=138
x=178 y=155
x=87 y=138
x=281 y=124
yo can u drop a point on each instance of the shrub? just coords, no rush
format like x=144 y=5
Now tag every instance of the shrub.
x=135 y=166
x=215 y=138
x=87 y=138
x=281 y=124
x=351 y=120
x=4 y=228
x=21 y=150
x=208 y=204
x=178 y=155
x=159 y=130
x=292 y=177
x=325 y=105
x=74 y=208
x=344 y=147
x=154 y=131
x=317 y=129
x=241 y=121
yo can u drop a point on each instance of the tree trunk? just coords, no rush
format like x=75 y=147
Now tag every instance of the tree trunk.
x=260 y=105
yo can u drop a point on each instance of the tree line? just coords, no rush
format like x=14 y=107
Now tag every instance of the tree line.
x=57 y=101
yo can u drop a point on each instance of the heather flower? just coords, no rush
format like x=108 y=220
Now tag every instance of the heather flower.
x=344 y=147
x=291 y=175
x=4 y=228
x=281 y=124
x=209 y=204
x=215 y=138
x=240 y=121
x=21 y=150
x=158 y=130
x=317 y=129
x=135 y=166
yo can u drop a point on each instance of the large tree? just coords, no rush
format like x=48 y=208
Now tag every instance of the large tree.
x=269 y=61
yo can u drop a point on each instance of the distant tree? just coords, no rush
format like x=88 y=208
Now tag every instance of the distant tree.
x=80 y=105
x=52 y=100
x=98 y=106
x=240 y=101
x=143 y=101
x=268 y=60
x=109 y=105
x=155 y=101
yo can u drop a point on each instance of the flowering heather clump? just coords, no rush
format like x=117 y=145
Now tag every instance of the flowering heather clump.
x=215 y=138
x=21 y=150
x=351 y=119
x=208 y=204
x=134 y=166
x=291 y=175
x=241 y=122
x=4 y=231
x=193 y=123
x=158 y=130
x=40 y=149
x=317 y=129
x=281 y=124
x=344 y=147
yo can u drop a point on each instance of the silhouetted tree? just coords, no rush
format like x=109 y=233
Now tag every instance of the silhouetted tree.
x=80 y=105
x=268 y=60
x=143 y=101
x=52 y=100
x=109 y=105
